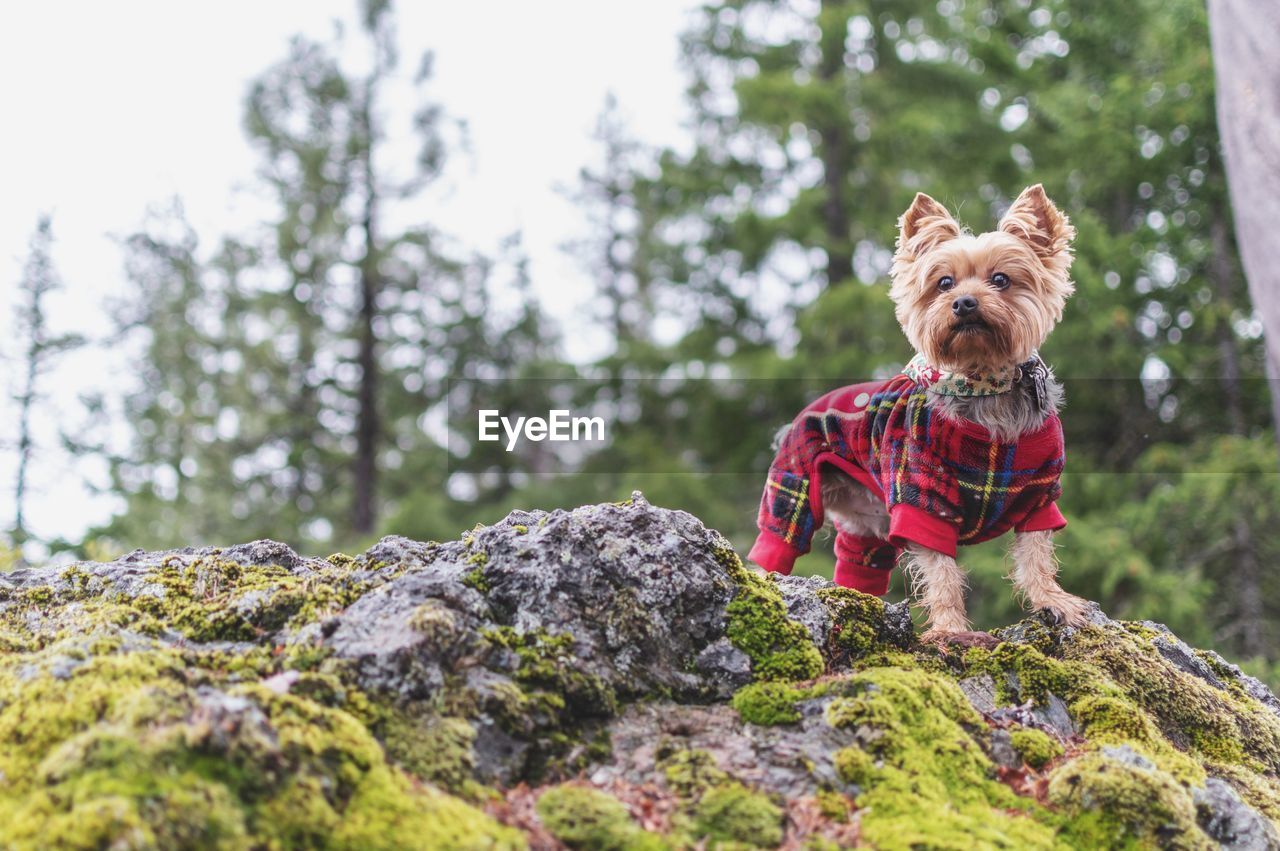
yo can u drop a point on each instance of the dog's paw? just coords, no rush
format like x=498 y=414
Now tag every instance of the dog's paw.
x=1066 y=610
x=961 y=638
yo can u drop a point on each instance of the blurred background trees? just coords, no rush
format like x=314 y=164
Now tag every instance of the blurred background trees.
x=315 y=379
x=39 y=348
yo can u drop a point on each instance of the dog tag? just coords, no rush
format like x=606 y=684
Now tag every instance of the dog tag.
x=1034 y=372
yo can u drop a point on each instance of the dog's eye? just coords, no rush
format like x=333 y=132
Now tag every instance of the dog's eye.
x=1000 y=281
x=946 y=282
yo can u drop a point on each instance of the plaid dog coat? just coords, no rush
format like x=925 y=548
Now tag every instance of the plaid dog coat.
x=944 y=481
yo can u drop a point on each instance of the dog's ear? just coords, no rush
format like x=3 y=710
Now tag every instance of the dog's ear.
x=925 y=224
x=1034 y=220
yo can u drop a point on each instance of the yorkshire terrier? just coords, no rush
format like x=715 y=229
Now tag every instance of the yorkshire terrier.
x=963 y=445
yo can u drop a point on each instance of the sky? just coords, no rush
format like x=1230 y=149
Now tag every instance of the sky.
x=111 y=108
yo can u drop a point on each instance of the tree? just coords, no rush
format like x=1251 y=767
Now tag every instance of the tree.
x=40 y=348
x=191 y=414
x=319 y=129
x=611 y=195
x=1247 y=70
x=814 y=123
x=291 y=371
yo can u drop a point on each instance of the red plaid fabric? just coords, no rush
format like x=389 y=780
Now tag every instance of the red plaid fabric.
x=945 y=482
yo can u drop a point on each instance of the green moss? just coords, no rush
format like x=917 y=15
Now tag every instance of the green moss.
x=1036 y=747
x=138 y=749
x=690 y=772
x=1121 y=690
x=1260 y=791
x=436 y=621
x=547 y=668
x=1128 y=805
x=768 y=703
x=857 y=620
x=476 y=579
x=211 y=599
x=779 y=648
x=587 y=819
x=733 y=813
x=1215 y=725
x=39 y=596
x=821 y=843
x=1023 y=672
x=553 y=704
x=1107 y=719
x=855 y=766
x=925 y=780
x=833 y=805
x=435 y=748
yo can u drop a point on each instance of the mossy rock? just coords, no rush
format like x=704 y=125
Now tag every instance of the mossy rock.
x=733 y=815
x=611 y=666
x=779 y=647
x=768 y=703
x=1036 y=747
x=586 y=819
x=1130 y=801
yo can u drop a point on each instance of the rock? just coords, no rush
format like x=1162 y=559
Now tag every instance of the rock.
x=1252 y=686
x=726 y=664
x=1055 y=715
x=1002 y=751
x=1184 y=659
x=981 y=692
x=427 y=695
x=789 y=761
x=804 y=607
x=1125 y=755
x=1231 y=822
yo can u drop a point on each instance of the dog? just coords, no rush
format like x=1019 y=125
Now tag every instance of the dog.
x=962 y=446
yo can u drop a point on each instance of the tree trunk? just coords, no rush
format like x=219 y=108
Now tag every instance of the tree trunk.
x=25 y=444
x=1221 y=271
x=837 y=156
x=364 y=511
x=1247 y=68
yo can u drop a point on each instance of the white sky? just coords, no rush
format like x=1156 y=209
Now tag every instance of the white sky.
x=111 y=107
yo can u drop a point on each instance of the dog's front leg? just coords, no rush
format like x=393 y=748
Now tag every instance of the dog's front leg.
x=938 y=583
x=1035 y=575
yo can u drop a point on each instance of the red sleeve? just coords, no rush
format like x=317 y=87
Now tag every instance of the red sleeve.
x=773 y=554
x=1044 y=519
x=908 y=524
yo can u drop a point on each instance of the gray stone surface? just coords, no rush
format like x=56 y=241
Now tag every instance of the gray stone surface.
x=981 y=691
x=791 y=760
x=1230 y=822
x=632 y=601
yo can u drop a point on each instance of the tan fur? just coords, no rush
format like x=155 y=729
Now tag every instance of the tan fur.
x=851 y=507
x=938 y=583
x=1032 y=246
x=1035 y=576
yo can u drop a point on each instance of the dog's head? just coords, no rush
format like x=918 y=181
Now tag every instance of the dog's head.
x=977 y=303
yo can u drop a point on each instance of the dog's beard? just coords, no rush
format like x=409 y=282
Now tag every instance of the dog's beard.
x=971 y=344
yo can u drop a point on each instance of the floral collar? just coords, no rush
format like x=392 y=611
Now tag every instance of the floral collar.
x=947 y=383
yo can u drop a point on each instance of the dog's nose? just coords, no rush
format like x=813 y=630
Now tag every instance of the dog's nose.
x=964 y=305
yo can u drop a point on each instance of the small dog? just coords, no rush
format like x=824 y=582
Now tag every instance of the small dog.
x=962 y=446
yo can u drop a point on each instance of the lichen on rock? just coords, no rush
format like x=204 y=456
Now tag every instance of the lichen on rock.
x=607 y=677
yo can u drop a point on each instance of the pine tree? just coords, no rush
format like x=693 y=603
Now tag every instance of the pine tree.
x=289 y=372
x=40 y=347
x=611 y=195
